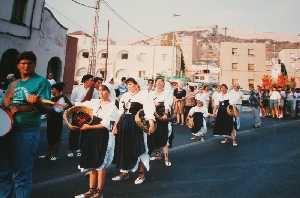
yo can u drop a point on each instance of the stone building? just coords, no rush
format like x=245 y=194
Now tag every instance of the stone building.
x=242 y=63
x=139 y=61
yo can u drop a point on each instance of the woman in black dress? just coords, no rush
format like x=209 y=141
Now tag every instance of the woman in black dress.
x=179 y=95
x=131 y=151
x=162 y=138
x=224 y=122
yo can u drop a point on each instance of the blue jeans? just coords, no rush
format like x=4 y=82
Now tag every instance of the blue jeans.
x=17 y=164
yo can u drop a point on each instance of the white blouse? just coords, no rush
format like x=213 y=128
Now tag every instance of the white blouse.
x=202 y=109
x=106 y=111
x=222 y=97
x=162 y=97
x=141 y=97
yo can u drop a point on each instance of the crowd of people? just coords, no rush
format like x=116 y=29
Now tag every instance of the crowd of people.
x=130 y=126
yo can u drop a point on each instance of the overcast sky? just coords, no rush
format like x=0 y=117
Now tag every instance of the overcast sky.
x=154 y=17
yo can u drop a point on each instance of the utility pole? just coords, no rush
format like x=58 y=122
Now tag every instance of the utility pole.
x=106 y=60
x=225 y=31
x=94 y=42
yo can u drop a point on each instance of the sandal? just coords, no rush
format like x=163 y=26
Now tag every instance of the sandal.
x=88 y=194
x=139 y=180
x=98 y=194
x=224 y=141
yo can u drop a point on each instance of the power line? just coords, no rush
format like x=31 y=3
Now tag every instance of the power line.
x=60 y=13
x=84 y=5
x=124 y=20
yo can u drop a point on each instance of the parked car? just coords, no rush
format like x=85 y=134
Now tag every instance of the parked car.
x=245 y=97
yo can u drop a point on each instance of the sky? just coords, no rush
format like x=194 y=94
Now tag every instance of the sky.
x=154 y=17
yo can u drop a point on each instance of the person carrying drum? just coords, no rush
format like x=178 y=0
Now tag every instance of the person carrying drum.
x=131 y=150
x=24 y=101
x=162 y=138
x=97 y=141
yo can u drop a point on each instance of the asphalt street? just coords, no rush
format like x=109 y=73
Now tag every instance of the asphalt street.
x=265 y=164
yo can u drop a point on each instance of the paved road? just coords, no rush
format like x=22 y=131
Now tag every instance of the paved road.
x=264 y=165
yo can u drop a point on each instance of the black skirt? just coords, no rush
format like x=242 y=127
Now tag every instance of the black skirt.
x=160 y=137
x=93 y=144
x=129 y=143
x=198 y=122
x=224 y=122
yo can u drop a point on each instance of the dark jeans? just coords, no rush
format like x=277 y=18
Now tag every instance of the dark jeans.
x=20 y=148
x=74 y=139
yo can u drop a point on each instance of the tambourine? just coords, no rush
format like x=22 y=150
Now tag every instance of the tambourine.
x=142 y=122
x=190 y=122
x=79 y=115
x=232 y=111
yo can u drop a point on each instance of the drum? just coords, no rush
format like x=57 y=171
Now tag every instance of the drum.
x=78 y=116
x=6 y=122
x=142 y=122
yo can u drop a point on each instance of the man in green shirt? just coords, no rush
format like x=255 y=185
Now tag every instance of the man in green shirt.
x=23 y=98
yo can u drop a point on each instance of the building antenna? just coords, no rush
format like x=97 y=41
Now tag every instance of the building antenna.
x=94 y=42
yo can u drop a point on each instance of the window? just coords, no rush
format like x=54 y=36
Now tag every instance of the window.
x=250 y=52
x=234 y=66
x=206 y=71
x=201 y=77
x=235 y=81
x=164 y=57
x=85 y=54
x=141 y=74
x=234 y=51
x=251 y=67
x=104 y=55
x=251 y=81
x=124 y=56
x=18 y=13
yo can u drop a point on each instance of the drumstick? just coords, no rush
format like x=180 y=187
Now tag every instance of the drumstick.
x=47 y=102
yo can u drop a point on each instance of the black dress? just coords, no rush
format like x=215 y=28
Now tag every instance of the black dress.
x=161 y=136
x=198 y=122
x=93 y=144
x=129 y=140
x=224 y=122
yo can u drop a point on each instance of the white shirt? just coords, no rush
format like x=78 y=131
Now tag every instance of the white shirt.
x=202 y=109
x=59 y=109
x=51 y=81
x=222 y=97
x=275 y=95
x=235 y=97
x=215 y=96
x=162 y=97
x=203 y=97
x=79 y=92
x=141 y=97
x=107 y=111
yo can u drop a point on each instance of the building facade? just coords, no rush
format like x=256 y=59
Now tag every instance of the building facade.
x=242 y=63
x=291 y=59
x=29 y=26
x=139 y=61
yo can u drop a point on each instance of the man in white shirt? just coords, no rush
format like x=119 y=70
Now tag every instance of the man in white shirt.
x=235 y=98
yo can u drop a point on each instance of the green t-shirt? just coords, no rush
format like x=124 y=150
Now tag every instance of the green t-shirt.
x=37 y=85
